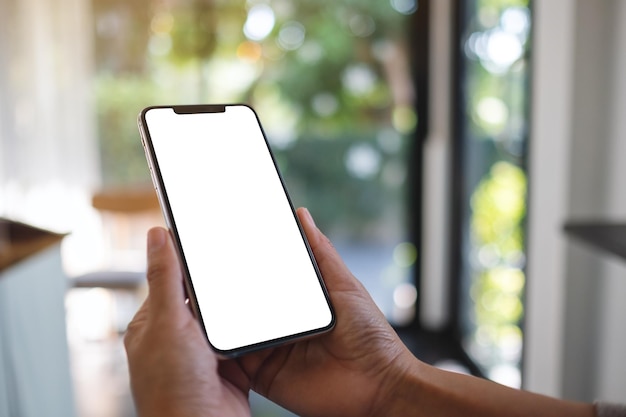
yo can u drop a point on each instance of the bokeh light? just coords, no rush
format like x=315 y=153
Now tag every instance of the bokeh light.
x=291 y=36
x=362 y=161
x=259 y=23
x=405 y=254
x=404 y=119
x=359 y=79
x=404 y=6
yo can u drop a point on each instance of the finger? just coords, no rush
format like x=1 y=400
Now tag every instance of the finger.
x=232 y=371
x=165 y=283
x=141 y=314
x=136 y=325
x=336 y=274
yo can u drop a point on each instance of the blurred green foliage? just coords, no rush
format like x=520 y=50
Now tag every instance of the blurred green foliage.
x=320 y=96
x=496 y=82
x=119 y=101
x=499 y=208
x=328 y=109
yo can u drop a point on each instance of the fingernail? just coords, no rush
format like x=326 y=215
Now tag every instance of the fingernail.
x=308 y=216
x=156 y=238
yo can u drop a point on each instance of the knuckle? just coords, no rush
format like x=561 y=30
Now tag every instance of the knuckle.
x=129 y=336
x=155 y=270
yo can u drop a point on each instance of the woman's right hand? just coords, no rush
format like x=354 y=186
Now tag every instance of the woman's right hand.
x=349 y=371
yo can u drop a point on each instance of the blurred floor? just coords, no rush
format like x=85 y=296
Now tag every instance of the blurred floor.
x=96 y=319
x=101 y=379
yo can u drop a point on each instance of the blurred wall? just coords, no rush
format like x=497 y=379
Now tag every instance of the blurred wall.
x=47 y=136
x=576 y=340
x=611 y=374
x=49 y=159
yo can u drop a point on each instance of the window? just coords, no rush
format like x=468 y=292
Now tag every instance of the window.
x=332 y=84
x=491 y=139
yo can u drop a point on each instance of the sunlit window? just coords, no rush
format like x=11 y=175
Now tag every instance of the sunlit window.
x=318 y=73
x=492 y=135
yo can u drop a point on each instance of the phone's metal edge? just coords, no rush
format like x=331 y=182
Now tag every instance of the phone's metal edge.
x=333 y=319
x=166 y=209
x=297 y=220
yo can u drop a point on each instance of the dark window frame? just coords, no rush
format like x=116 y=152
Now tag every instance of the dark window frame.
x=459 y=194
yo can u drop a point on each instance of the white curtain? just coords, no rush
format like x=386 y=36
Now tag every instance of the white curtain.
x=48 y=169
x=48 y=150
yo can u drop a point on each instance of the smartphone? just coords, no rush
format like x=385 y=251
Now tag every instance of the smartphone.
x=251 y=277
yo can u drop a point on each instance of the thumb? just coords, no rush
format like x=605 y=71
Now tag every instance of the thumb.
x=164 y=274
x=336 y=274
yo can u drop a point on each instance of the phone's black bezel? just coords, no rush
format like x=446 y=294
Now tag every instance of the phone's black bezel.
x=171 y=223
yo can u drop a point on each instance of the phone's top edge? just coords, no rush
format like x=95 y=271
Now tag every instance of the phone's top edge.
x=199 y=108
x=193 y=108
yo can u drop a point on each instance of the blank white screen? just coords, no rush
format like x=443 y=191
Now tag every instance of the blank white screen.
x=250 y=269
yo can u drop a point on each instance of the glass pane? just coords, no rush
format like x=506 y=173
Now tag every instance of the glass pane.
x=493 y=141
x=331 y=83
